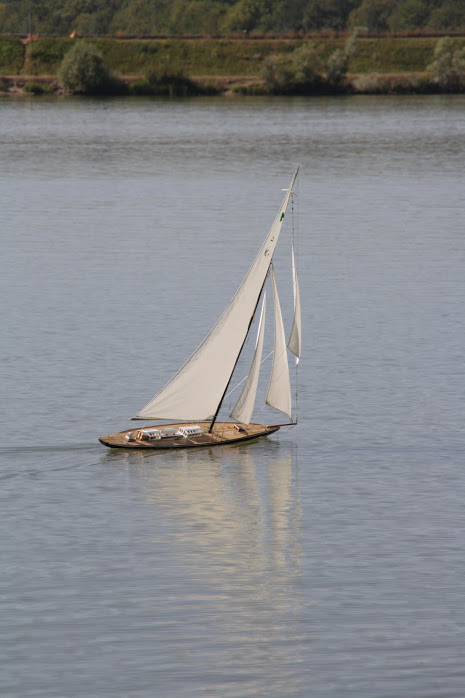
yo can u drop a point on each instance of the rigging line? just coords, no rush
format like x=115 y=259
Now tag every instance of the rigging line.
x=245 y=377
x=282 y=370
x=260 y=410
x=295 y=240
x=292 y=217
x=296 y=394
x=295 y=223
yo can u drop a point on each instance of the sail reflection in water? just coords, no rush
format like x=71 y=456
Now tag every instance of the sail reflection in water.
x=233 y=521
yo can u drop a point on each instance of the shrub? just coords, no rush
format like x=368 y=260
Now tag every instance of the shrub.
x=336 y=68
x=37 y=88
x=84 y=72
x=276 y=75
x=376 y=84
x=448 y=68
x=307 y=71
x=338 y=62
x=307 y=68
x=299 y=73
x=367 y=84
x=166 y=83
x=250 y=90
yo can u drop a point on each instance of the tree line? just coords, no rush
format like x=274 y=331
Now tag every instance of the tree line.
x=224 y=17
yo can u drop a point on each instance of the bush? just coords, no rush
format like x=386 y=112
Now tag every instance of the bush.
x=37 y=88
x=166 y=83
x=448 y=68
x=307 y=68
x=84 y=72
x=276 y=75
x=376 y=84
x=307 y=71
x=299 y=73
x=250 y=90
x=336 y=68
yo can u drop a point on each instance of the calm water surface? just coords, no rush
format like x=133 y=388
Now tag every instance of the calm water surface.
x=326 y=562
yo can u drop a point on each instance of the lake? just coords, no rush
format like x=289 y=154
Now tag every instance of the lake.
x=324 y=561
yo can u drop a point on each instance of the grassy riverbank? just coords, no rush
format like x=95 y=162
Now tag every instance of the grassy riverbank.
x=224 y=63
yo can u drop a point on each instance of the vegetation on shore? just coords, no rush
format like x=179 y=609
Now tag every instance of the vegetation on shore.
x=83 y=71
x=347 y=64
x=219 y=17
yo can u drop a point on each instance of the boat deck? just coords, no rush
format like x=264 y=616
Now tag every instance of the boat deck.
x=223 y=433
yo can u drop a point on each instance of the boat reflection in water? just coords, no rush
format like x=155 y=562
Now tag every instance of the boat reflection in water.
x=229 y=517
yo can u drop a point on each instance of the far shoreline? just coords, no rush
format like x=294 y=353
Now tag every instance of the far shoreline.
x=414 y=83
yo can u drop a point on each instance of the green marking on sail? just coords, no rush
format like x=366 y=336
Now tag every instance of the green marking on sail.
x=282 y=216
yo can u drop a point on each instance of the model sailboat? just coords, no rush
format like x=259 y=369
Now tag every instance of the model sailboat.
x=192 y=399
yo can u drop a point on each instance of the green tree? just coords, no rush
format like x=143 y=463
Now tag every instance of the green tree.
x=448 y=15
x=145 y=17
x=285 y=16
x=410 y=14
x=327 y=14
x=83 y=71
x=196 y=17
x=248 y=15
x=142 y=17
x=374 y=15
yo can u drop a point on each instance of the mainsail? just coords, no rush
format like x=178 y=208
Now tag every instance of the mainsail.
x=279 y=390
x=197 y=390
x=243 y=409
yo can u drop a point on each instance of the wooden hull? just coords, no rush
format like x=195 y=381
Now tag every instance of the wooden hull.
x=223 y=433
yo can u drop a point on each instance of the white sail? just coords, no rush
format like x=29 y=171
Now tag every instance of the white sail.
x=243 y=408
x=196 y=391
x=295 y=338
x=279 y=390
